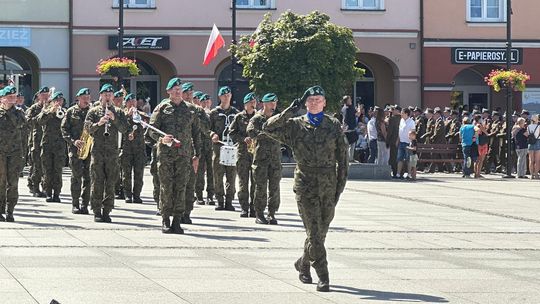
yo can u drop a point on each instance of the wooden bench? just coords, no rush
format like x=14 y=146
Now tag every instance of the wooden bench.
x=451 y=153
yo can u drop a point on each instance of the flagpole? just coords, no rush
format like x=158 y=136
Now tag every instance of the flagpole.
x=508 y=90
x=233 y=41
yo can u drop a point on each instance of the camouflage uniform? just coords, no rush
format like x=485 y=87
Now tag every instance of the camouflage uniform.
x=266 y=167
x=501 y=137
x=218 y=124
x=133 y=159
x=319 y=178
x=205 y=163
x=439 y=137
x=53 y=152
x=11 y=123
x=493 y=158
x=246 y=186
x=104 y=164
x=36 y=133
x=72 y=128
x=174 y=163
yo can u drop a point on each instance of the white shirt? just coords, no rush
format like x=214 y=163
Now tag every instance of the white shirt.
x=371 y=129
x=404 y=127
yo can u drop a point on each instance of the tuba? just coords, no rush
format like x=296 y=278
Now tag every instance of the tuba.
x=88 y=142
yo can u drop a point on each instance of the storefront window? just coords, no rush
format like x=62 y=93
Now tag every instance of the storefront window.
x=363 y=4
x=253 y=3
x=486 y=10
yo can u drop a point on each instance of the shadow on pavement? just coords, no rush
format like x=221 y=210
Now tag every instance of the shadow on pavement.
x=227 y=238
x=47 y=225
x=366 y=294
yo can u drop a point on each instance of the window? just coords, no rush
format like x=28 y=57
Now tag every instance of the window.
x=486 y=10
x=363 y=4
x=258 y=4
x=136 y=3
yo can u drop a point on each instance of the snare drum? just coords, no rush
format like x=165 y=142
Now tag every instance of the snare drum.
x=228 y=155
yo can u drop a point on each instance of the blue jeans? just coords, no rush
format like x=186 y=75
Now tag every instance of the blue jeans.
x=466 y=154
x=402 y=153
x=372 y=151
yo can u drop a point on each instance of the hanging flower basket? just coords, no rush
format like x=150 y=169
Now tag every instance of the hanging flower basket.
x=514 y=79
x=118 y=67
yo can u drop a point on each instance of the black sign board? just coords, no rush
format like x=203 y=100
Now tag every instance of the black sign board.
x=485 y=55
x=141 y=42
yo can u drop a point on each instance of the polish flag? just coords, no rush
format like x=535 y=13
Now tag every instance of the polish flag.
x=215 y=42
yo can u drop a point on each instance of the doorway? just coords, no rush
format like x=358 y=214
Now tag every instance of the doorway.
x=364 y=89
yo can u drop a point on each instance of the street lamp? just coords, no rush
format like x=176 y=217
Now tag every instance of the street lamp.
x=508 y=90
x=233 y=41
x=120 y=35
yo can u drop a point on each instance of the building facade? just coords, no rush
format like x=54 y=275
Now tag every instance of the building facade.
x=34 y=45
x=169 y=37
x=464 y=40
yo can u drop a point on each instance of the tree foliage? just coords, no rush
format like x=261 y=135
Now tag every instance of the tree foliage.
x=296 y=52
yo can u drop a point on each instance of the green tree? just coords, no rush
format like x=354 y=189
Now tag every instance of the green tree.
x=296 y=52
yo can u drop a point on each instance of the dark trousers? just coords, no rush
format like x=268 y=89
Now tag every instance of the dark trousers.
x=372 y=151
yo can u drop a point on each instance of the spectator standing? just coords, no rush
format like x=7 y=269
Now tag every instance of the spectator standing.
x=413 y=155
x=467 y=134
x=533 y=138
x=483 y=144
x=519 y=134
x=382 y=149
x=392 y=139
x=372 y=138
x=362 y=147
x=349 y=124
x=406 y=125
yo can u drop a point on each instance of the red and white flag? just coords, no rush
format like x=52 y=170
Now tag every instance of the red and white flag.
x=215 y=42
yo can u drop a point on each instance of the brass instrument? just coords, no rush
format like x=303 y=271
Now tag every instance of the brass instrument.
x=88 y=142
x=131 y=135
x=60 y=113
x=251 y=147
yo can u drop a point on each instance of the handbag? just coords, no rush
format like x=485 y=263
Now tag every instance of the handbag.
x=531 y=139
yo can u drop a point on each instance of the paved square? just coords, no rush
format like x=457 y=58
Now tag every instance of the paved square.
x=439 y=240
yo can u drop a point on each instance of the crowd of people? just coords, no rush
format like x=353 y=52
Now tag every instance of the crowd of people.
x=390 y=135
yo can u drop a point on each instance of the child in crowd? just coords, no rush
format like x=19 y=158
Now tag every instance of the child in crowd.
x=413 y=156
x=362 y=147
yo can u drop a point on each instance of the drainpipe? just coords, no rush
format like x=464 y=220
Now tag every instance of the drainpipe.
x=70 y=42
x=421 y=53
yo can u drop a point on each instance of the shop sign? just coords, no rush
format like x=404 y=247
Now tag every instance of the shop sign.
x=485 y=55
x=141 y=42
x=15 y=36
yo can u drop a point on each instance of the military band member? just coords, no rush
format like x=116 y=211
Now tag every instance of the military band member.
x=118 y=101
x=205 y=163
x=238 y=132
x=25 y=135
x=52 y=146
x=320 y=149
x=133 y=154
x=12 y=121
x=266 y=163
x=178 y=151
x=104 y=122
x=36 y=133
x=220 y=119
x=72 y=130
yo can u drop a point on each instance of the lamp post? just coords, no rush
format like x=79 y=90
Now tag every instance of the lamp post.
x=508 y=90
x=120 y=35
x=233 y=41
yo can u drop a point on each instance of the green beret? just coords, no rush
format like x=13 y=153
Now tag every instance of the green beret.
x=187 y=86
x=198 y=94
x=83 y=91
x=57 y=95
x=43 y=89
x=130 y=96
x=269 y=97
x=249 y=97
x=173 y=82
x=106 y=88
x=119 y=94
x=205 y=97
x=314 y=91
x=224 y=90
x=9 y=90
x=2 y=93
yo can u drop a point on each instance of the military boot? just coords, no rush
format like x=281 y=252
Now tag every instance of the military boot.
x=128 y=199
x=84 y=209
x=210 y=201
x=260 y=219
x=229 y=206
x=56 y=198
x=38 y=193
x=220 y=206
x=175 y=226
x=324 y=283
x=251 y=210
x=244 y=213
x=75 y=209
x=271 y=219
x=166 y=225
x=98 y=217
x=137 y=199
x=2 y=218
x=49 y=198
x=304 y=273
x=106 y=217
x=9 y=217
x=186 y=219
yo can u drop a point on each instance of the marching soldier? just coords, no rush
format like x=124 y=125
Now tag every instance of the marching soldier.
x=238 y=132
x=24 y=135
x=72 y=130
x=133 y=154
x=177 y=152
x=36 y=132
x=320 y=149
x=205 y=164
x=52 y=146
x=103 y=123
x=12 y=121
x=266 y=163
x=118 y=101
x=220 y=119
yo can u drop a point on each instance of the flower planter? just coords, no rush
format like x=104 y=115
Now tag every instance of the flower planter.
x=119 y=72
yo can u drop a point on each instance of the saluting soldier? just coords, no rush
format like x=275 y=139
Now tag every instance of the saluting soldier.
x=205 y=162
x=320 y=149
x=239 y=134
x=220 y=119
x=36 y=133
x=104 y=122
x=133 y=153
x=266 y=163
x=178 y=151
x=53 y=155
x=72 y=130
x=12 y=121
